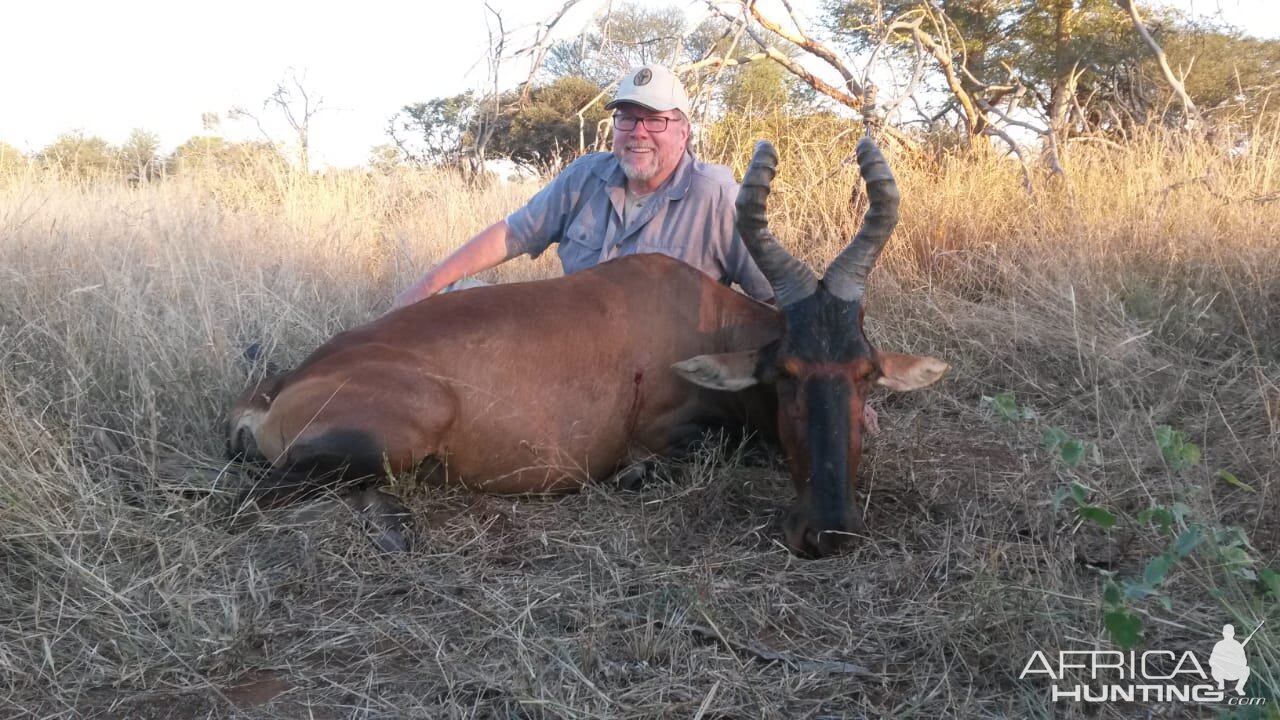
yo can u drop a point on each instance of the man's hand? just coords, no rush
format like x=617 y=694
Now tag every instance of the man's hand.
x=415 y=292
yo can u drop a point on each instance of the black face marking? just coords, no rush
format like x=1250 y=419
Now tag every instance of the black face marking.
x=827 y=424
x=823 y=360
x=825 y=329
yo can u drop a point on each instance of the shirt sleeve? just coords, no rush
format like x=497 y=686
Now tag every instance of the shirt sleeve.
x=541 y=221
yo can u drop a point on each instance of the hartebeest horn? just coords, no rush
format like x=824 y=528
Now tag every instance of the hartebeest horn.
x=791 y=279
x=847 y=276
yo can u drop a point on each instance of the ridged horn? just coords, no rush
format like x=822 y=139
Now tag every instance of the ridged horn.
x=847 y=276
x=791 y=279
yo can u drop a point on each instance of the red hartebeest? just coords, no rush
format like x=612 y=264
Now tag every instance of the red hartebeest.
x=542 y=386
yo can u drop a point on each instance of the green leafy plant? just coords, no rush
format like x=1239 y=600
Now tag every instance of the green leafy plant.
x=1005 y=406
x=1178 y=452
x=1063 y=446
x=1078 y=493
x=1222 y=548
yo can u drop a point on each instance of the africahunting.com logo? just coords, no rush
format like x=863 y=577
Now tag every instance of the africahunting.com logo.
x=1097 y=676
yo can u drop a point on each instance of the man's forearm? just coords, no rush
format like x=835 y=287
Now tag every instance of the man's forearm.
x=486 y=250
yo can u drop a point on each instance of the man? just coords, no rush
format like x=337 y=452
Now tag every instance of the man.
x=1228 y=662
x=648 y=196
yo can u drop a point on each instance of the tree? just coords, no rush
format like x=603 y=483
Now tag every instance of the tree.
x=541 y=130
x=11 y=159
x=76 y=155
x=1231 y=76
x=212 y=154
x=755 y=89
x=138 y=156
x=385 y=158
x=545 y=131
x=434 y=132
x=298 y=105
x=624 y=37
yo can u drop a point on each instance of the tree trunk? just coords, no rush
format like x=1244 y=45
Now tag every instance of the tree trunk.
x=1064 y=63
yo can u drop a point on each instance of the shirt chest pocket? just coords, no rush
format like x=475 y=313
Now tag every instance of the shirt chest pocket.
x=583 y=241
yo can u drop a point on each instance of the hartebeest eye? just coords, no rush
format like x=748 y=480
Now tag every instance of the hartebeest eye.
x=790 y=368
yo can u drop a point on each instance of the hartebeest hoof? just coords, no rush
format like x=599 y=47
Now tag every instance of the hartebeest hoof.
x=633 y=477
x=385 y=517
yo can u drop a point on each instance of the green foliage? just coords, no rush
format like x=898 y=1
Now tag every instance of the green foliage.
x=385 y=158
x=545 y=130
x=11 y=159
x=205 y=153
x=541 y=129
x=1124 y=627
x=1004 y=406
x=1271 y=579
x=756 y=89
x=138 y=158
x=1224 y=550
x=1086 y=46
x=75 y=155
x=435 y=132
x=1078 y=494
x=1061 y=445
x=1178 y=452
x=1230 y=479
x=1228 y=72
x=995 y=35
x=631 y=34
x=1227 y=550
x=1096 y=515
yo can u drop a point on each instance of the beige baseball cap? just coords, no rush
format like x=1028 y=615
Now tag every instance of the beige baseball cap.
x=651 y=86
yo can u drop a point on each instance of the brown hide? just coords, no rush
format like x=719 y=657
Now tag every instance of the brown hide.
x=520 y=388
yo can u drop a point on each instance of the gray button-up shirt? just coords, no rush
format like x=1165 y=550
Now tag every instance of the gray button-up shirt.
x=690 y=218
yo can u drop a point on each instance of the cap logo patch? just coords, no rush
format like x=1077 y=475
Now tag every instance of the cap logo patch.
x=643 y=77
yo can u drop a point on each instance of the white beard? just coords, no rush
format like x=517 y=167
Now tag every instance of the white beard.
x=644 y=171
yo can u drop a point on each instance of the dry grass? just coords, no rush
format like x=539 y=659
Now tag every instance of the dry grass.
x=1142 y=290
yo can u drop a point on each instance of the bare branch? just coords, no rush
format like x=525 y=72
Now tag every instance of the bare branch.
x=852 y=101
x=804 y=42
x=1016 y=149
x=1189 y=107
x=973 y=119
x=541 y=44
x=240 y=113
x=988 y=107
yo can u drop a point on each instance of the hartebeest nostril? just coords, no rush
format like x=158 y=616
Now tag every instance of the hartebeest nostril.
x=805 y=539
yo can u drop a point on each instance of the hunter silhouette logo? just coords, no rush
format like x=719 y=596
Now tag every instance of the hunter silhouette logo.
x=1106 y=676
x=1228 y=661
x=643 y=77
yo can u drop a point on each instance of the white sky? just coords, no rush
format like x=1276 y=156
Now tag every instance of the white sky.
x=105 y=68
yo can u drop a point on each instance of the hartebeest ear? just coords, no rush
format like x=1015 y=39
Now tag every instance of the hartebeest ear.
x=908 y=372
x=726 y=371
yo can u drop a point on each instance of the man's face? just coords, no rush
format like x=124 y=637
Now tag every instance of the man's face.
x=648 y=155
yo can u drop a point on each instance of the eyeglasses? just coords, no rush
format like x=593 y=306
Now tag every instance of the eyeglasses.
x=653 y=123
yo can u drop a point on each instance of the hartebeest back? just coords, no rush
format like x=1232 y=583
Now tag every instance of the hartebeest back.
x=542 y=386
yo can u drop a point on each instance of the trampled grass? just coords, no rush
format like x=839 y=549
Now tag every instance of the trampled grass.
x=1141 y=290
